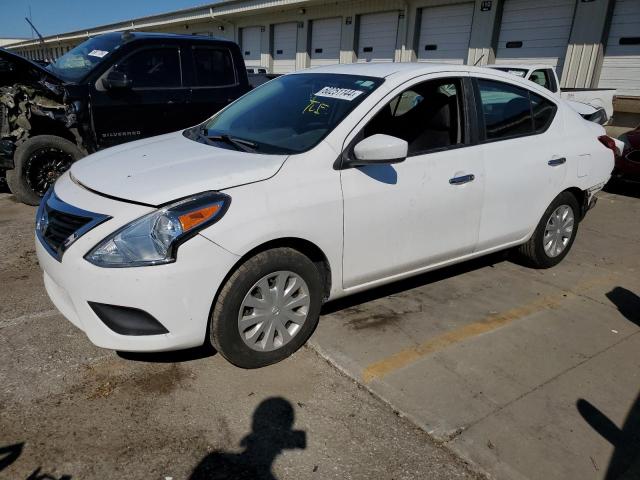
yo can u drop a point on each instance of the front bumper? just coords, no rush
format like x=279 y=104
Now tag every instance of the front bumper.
x=178 y=295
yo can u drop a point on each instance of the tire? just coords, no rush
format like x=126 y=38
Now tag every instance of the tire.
x=534 y=251
x=233 y=341
x=38 y=162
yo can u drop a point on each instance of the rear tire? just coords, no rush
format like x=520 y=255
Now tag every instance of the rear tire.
x=552 y=240
x=263 y=288
x=39 y=161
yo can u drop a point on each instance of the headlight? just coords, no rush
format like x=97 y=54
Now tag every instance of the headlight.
x=154 y=238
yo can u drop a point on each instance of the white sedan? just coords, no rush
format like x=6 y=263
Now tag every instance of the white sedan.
x=314 y=186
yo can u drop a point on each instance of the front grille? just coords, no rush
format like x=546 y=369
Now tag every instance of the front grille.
x=59 y=224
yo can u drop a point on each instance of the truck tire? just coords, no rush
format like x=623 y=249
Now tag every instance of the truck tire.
x=267 y=309
x=38 y=162
x=555 y=233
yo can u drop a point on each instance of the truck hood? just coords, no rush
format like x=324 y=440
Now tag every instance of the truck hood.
x=17 y=69
x=161 y=169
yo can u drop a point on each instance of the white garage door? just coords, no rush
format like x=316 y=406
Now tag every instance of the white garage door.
x=285 y=41
x=444 y=33
x=535 y=32
x=377 y=37
x=325 y=41
x=621 y=65
x=250 y=39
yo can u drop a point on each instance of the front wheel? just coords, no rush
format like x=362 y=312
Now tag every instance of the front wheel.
x=38 y=162
x=267 y=309
x=555 y=233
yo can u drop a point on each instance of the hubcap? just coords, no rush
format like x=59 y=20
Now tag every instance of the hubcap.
x=44 y=167
x=558 y=231
x=273 y=311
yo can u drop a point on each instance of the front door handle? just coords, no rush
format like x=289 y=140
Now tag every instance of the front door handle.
x=554 y=162
x=462 y=179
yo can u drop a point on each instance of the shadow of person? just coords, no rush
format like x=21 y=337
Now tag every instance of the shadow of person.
x=628 y=303
x=625 y=461
x=9 y=454
x=271 y=434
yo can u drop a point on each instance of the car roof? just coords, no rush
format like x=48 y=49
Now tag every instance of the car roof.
x=521 y=66
x=128 y=36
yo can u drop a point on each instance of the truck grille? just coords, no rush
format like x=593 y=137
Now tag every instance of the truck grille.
x=59 y=224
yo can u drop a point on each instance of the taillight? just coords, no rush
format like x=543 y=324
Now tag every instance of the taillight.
x=610 y=143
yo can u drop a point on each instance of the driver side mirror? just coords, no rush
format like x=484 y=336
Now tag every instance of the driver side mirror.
x=116 y=79
x=379 y=149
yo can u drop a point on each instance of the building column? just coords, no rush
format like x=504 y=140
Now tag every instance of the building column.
x=484 y=32
x=586 y=44
x=266 y=44
x=303 y=60
x=348 y=39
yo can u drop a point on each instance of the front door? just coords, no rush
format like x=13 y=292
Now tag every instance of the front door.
x=426 y=210
x=155 y=102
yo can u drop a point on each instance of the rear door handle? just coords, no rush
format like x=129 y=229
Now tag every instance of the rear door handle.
x=554 y=162
x=462 y=179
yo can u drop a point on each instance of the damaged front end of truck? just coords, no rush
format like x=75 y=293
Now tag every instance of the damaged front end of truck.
x=34 y=102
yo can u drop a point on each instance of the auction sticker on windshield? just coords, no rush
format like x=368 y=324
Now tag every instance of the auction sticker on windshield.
x=97 y=53
x=339 y=93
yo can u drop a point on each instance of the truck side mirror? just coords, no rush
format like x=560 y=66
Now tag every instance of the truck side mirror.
x=115 y=80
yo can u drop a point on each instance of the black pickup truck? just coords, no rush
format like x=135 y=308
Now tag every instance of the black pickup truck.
x=110 y=89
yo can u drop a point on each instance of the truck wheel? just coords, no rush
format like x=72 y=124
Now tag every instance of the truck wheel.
x=39 y=162
x=554 y=234
x=267 y=309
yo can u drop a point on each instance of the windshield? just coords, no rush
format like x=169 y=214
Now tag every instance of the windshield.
x=74 y=65
x=519 y=72
x=289 y=114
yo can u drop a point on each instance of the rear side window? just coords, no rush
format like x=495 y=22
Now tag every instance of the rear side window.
x=213 y=67
x=153 y=67
x=543 y=112
x=511 y=111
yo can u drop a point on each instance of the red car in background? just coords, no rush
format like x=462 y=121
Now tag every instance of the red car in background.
x=628 y=162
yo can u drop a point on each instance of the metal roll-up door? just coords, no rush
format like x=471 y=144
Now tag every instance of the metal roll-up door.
x=621 y=64
x=250 y=42
x=325 y=41
x=445 y=32
x=285 y=41
x=377 y=37
x=535 y=32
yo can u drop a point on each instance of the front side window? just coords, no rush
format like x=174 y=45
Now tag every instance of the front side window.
x=213 y=67
x=427 y=116
x=290 y=114
x=153 y=68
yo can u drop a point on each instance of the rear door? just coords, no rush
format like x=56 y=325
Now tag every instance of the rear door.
x=525 y=159
x=155 y=103
x=213 y=80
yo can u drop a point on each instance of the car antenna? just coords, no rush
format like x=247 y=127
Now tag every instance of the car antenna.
x=37 y=33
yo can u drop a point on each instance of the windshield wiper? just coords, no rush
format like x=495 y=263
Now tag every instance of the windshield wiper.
x=238 y=143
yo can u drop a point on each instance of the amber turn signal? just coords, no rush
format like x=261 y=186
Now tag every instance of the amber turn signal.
x=195 y=218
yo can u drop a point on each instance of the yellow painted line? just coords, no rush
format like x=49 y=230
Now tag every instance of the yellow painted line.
x=410 y=355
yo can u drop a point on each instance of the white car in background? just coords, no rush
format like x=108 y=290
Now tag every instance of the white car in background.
x=316 y=185
x=593 y=104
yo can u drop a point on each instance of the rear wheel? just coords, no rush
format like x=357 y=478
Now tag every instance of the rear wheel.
x=39 y=161
x=267 y=309
x=555 y=233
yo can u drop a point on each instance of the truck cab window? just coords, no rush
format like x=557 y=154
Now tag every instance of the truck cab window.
x=428 y=116
x=213 y=67
x=153 y=68
x=542 y=78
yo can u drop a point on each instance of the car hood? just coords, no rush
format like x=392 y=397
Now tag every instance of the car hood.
x=24 y=70
x=161 y=169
